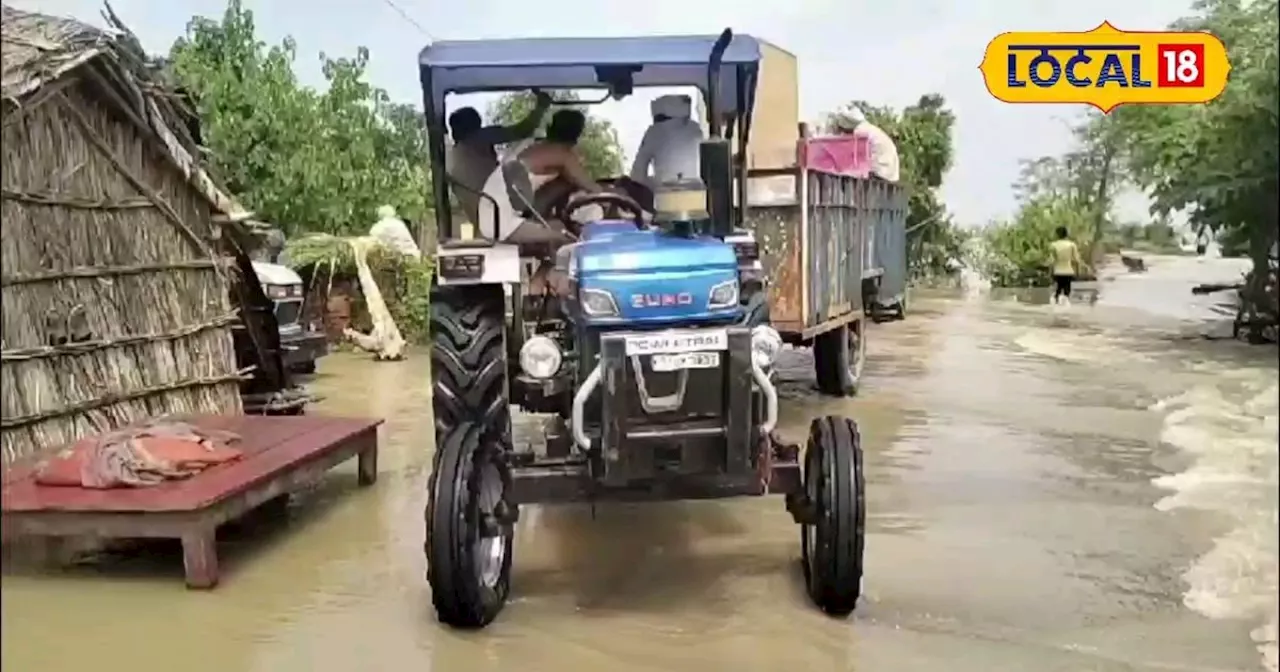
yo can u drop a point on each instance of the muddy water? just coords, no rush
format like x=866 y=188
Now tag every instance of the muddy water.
x=1050 y=490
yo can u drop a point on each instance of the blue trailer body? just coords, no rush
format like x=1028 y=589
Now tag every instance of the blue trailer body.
x=830 y=243
x=888 y=214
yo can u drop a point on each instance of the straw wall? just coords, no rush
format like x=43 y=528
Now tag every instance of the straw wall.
x=94 y=216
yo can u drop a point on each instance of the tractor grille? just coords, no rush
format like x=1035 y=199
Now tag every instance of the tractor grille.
x=704 y=392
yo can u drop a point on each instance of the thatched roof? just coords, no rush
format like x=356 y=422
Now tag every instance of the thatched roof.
x=39 y=50
x=115 y=294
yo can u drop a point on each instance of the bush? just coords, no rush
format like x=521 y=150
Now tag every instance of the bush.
x=1016 y=253
x=933 y=251
x=405 y=282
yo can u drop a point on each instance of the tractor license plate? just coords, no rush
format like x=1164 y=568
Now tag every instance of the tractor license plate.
x=686 y=360
x=678 y=342
x=462 y=266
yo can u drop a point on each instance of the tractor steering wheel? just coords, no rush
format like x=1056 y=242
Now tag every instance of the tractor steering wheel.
x=607 y=198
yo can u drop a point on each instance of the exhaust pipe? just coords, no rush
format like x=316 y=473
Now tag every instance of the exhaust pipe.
x=713 y=82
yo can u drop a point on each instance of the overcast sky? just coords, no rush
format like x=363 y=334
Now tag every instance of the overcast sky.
x=884 y=52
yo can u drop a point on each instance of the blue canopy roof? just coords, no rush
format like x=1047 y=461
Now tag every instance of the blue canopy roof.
x=570 y=63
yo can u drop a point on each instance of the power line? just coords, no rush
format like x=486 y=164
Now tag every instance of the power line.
x=405 y=15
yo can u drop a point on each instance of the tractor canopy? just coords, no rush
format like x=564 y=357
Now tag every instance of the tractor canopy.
x=618 y=64
x=724 y=68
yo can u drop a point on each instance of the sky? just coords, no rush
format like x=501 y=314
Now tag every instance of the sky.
x=888 y=53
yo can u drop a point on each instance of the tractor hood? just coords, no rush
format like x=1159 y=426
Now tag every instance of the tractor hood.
x=606 y=249
x=655 y=278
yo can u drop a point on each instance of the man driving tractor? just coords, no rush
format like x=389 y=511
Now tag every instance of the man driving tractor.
x=556 y=170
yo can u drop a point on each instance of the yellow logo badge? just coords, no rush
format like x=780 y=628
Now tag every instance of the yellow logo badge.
x=1105 y=67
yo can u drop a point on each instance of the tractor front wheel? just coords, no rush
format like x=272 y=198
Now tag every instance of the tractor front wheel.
x=470 y=529
x=831 y=546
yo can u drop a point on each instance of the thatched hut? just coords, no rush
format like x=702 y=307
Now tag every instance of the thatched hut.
x=115 y=298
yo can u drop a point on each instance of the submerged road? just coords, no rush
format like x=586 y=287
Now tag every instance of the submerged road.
x=1050 y=491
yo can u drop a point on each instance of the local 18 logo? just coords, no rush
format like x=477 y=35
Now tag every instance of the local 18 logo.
x=1106 y=67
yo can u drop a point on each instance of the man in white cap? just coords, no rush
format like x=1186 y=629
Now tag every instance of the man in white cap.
x=393 y=233
x=884 y=153
x=670 y=145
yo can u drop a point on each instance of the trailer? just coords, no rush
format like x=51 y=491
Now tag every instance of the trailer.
x=832 y=243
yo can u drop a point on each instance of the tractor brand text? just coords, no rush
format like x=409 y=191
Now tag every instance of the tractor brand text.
x=661 y=300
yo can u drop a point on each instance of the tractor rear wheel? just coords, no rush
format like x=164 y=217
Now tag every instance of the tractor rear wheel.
x=755 y=308
x=832 y=545
x=469 y=360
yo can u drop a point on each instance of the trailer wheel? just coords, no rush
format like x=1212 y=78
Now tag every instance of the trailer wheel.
x=469 y=360
x=838 y=359
x=755 y=309
x=469 y=532
x=832 y=546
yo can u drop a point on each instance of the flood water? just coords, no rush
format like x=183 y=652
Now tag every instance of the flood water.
x=1050 y=490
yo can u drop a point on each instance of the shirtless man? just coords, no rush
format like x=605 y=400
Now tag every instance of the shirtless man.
x=556 y=173
x=555 y=168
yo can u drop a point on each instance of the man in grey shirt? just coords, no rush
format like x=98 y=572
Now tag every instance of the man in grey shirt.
x=475 y=156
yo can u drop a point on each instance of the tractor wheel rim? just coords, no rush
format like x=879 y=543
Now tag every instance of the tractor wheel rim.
x=490 y=552
x=811 y=529
x=855 y=351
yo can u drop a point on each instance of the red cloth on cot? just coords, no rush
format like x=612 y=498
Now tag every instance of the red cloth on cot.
x=169 y=459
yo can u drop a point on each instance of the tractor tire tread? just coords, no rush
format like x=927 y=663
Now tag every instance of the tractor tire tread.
x=451 y=520
x=836 y=581
x=468 y=361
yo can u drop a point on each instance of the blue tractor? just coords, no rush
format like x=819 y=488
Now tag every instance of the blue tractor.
x=655 y=365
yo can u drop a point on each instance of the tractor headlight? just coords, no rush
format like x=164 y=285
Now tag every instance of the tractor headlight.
x=765 y=345
x=540 y=357
x=598 y=303
x=724 y=295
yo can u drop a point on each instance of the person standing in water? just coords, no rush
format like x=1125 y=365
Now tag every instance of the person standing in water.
x=1202 y=241
x=1066 y=264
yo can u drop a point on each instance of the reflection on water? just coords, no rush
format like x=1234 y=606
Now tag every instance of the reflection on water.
x=1035 y=505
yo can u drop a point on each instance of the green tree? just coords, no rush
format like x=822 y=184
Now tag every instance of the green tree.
x=305 y=160
x=599 y=147
x=922 y=133
x=1076 y=189
x=1220 y=162
x=1088 y=177
x=1016 y=253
